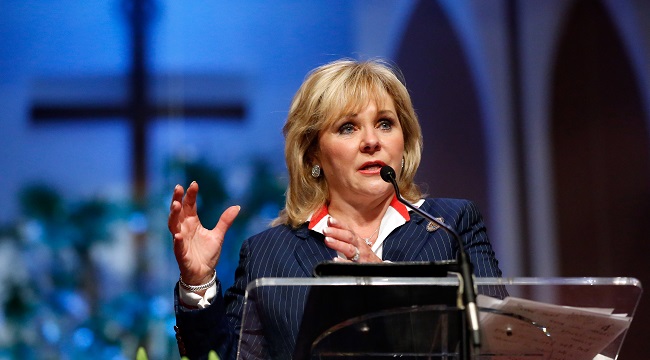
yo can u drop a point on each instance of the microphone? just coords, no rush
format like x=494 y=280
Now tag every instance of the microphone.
x=469 y=294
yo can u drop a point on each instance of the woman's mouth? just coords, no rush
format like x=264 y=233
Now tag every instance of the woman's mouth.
x=372 y=167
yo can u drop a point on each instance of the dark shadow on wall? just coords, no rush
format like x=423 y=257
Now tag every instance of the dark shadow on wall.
x=439 y=79
x=601 y=159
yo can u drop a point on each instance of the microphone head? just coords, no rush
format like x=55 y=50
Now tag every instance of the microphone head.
x=387 y=174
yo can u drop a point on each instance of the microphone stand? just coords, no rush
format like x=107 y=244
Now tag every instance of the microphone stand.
x=469 y=293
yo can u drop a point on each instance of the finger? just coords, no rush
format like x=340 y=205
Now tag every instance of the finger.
x=177 y=195
x=174 y=210
x=343 y=235
x=226 y=219
x=333 y=222
x=342 y=247
x=189 y=201
x=355 y=256
x=178 y=244
x=354 y=253
x=172 y=221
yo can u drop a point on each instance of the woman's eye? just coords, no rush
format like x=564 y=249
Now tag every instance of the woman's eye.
x=385 y=124
x=346 y=129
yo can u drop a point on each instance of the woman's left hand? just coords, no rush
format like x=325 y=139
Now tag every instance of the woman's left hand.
x=341 y=238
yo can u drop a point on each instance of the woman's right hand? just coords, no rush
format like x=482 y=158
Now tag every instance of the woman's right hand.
x=196 y=248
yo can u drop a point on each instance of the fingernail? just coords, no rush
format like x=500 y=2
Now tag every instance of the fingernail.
x=328 y=239
x=332 y=221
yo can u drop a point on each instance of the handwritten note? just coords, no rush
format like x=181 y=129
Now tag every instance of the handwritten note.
x=516 y=327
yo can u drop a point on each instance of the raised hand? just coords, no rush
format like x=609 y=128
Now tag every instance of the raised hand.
x=197 y=249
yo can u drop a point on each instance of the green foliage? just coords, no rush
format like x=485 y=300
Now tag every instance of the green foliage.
x=74 y=247
x=266 y=189
x=93 y=219
x=41 y=202
x=141 y=354
x=64 y=224
x=17 y=305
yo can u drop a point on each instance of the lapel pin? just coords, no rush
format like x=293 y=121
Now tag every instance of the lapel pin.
x=431 y=226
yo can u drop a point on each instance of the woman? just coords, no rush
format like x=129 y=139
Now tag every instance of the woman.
x=347 y=120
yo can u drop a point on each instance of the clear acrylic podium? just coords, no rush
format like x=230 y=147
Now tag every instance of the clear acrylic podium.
x=422 y=318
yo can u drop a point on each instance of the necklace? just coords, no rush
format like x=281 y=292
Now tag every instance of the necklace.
x=367 y=239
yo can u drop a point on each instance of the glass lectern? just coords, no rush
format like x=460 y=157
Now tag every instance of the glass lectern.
x=357 y=317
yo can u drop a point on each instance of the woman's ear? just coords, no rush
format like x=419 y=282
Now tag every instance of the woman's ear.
x=313 y=158
x=314 y=163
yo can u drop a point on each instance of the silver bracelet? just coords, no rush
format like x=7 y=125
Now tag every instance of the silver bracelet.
x=195 y=288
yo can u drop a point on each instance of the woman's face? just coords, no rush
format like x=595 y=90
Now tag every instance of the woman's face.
x=353 y=149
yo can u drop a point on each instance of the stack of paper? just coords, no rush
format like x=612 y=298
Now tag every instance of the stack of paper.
x=515 y=326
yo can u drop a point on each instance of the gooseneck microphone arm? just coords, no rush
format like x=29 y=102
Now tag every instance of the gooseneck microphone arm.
x=469 y=293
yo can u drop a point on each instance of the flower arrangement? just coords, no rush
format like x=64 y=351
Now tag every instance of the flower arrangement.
x=92 y=277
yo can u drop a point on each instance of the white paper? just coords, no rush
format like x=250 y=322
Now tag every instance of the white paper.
x=557 y=332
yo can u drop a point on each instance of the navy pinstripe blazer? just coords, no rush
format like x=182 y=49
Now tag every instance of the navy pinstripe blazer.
x=285 y=252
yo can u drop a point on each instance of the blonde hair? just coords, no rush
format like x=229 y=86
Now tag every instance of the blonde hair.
x=328 y=92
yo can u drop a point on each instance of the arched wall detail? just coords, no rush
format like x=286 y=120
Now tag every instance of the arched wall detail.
x=444 y=91
x=601 y=156
x=634 y=31
x=538 y=50
x=484 y=42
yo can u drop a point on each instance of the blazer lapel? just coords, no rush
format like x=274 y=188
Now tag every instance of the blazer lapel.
x=406 y=243
x=312 y=250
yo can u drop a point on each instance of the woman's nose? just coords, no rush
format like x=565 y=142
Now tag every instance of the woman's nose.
x=370 y=141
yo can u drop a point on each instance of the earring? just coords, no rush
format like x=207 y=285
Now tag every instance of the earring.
x=315 y=171
x=402 y=163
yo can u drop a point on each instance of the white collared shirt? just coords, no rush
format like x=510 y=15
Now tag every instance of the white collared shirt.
x=396 y=215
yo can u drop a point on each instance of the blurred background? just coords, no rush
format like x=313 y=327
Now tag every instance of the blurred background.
x=536 y=110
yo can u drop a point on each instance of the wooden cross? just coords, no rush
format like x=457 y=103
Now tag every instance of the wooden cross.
x=138 y=109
